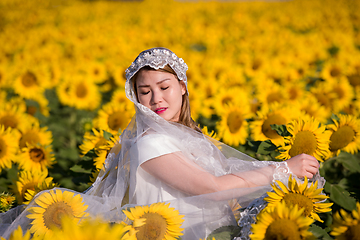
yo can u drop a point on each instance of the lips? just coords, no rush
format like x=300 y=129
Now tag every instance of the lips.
x=160 y=110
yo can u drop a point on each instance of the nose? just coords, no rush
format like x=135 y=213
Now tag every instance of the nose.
x=156 y=97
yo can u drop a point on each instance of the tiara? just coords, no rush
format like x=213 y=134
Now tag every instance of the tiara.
x=158 y=58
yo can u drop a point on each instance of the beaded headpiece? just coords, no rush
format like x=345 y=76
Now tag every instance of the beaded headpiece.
x=158 y=58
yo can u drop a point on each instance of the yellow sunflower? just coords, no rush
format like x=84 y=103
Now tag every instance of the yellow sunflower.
x=14 y=116
x=8 y=146
x=36 y=157
x=272 y=114
x=283 y=222
x=346 y=225
x=6 y=201
x=307 y=136
x=345 y=134
x=310 y=106
x=52 y=206
x=18 y=234
x=307 y=197
x=96 y=229
x=157 y=221
x=63 y=92
x=31 y=183
x=84 y=94
x=29 y=83
x=233 y=127
x=35 y=135
x=344 y=94
x=113 y=117
x=97 y=141
x=119 y=97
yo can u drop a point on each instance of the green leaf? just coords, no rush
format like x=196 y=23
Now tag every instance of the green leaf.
x=266 y=148
x=280 y=129
x=349 y=161
x=79 y=169
x=319 y=232
x=225 y=233
x=107 y=135
x=340 y=196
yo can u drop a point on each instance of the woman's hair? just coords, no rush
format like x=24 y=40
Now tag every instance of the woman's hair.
x=185 y=113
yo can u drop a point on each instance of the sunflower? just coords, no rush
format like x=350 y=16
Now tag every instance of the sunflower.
x=96 y=71
x=233 y=127
x=119 y=97
x=345 y=134
x=96 y=229
x=18 y=234
x=99 y=143
x=63 y=92
x=8 y=146
x=307 y=197
x=307 y=136
x=29 y=83
x=36 y=157
x=269 y=92
x=232 y=96
x=113 y=117
x=275 y=113
x=343 y=92
x=35 y=135
x=52 y=206
x=310 y=106
x=157 y=221
x=14 y=116
x=84 y=94
x=346 y=225
x=31 y=183
x=6 y=201
x=283 y=222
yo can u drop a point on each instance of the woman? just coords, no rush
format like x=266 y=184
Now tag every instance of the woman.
x=165 y=157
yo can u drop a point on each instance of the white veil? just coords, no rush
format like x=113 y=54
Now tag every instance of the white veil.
x=115 y=186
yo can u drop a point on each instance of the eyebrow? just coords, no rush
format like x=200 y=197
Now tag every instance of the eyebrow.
x=159 y=82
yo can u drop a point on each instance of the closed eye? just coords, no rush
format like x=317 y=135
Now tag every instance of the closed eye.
x=144 y=93
x=164 y=88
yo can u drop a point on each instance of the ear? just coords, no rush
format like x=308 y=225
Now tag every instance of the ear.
x=183 y=87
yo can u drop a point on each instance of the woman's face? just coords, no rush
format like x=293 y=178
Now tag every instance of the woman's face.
x=161 y=92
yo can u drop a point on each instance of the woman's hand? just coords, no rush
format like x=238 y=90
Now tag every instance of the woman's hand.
x=303 y=165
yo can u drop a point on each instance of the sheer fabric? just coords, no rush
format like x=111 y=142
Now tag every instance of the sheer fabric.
x=156 y=160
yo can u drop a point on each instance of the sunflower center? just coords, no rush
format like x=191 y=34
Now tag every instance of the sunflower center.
x=3 y=148
x=234 y=121
x=341 y=137
x=154 y=227
x=335 y=72
x=301 y=200
x=266 y=127
x=274 y=97
x=226 y=100
x=339 y=92
x=116 y=121
x=53 y=214
x=29 y=137
x=282 y=229
x=27 y=186
x=256 y=64
x=354 y=80
x=9 y=121
x=37 y=154
x=353 y=232
x=305 y=142
x=101 y=142
x=28 y=79
x=81 y=91
x=323 y=99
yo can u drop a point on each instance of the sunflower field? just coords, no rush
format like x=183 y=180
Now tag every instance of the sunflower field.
x=272 y=79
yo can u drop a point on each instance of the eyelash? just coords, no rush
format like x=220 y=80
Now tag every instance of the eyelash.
x=144 y=93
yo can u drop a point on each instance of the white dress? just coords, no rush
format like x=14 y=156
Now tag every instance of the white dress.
x=201 y=216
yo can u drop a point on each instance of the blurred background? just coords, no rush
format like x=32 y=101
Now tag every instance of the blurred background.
x=254 y=67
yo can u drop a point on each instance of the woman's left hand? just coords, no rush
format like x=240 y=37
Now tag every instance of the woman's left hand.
x=303 y=165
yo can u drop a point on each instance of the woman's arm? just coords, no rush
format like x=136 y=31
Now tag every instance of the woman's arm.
x=174 y=170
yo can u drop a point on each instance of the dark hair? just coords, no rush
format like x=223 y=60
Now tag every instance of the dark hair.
x=185 y=113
